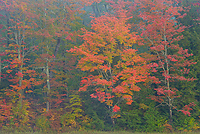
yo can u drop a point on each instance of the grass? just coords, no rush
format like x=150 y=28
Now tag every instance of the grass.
x=95 y=132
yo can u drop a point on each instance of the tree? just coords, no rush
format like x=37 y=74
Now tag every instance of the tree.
x=161 y=33
x=114 y=67
x=20 y=76
x=53 y=22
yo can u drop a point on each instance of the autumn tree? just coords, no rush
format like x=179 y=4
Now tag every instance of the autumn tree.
x=20 y=76
x=114 y=67
x=160 y=31
x=53 y=23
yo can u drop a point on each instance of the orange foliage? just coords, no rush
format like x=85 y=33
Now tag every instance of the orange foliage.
x=108 y=51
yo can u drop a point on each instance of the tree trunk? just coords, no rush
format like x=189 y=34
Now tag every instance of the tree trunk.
x=48 y=86
x=170 y=113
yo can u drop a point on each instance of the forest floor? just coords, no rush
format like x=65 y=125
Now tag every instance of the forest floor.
x=97 y=132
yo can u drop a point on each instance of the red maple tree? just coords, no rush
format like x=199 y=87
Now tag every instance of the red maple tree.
x=107 y=53
x=161 y=32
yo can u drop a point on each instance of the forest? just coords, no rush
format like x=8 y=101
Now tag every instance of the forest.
x=102 y=65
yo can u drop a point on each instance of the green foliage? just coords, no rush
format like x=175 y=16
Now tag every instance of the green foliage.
x=141 y=117
x=97 y=123
x=154 y=121
x=75 y=117
x=42 y=124
x=99 y=113
x=184 y=123
x=131 y=120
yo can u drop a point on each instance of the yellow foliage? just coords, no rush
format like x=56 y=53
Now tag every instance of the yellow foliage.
x=143 y=106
